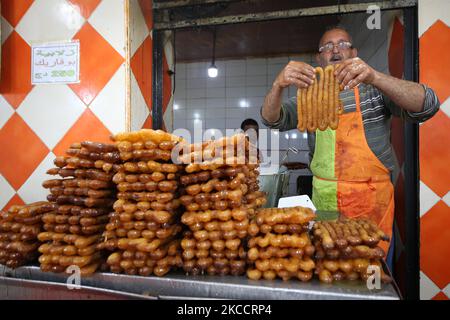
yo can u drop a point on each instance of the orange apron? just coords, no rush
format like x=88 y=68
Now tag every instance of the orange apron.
x=348 y=176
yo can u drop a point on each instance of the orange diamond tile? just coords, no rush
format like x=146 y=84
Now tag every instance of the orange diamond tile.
x=98 y=63
x=440 y=296
x=396 y=50
x=87 y=128
x=141 y=65
x=22 y=151
x=147 y=10
x=16 y=200
x=435 y=244
x=15 y=81
x=14 y=10
x=86 y=6
x=433 y=157
x=434 y=58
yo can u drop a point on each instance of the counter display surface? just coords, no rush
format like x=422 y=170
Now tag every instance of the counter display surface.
x=179 y=286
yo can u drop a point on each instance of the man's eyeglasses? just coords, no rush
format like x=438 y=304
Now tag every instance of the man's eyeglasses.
x=330 y=46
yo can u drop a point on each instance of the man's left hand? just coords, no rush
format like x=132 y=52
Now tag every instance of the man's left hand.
x=354 y=71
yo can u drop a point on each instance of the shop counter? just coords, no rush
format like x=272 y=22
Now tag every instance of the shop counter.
x=31 y=282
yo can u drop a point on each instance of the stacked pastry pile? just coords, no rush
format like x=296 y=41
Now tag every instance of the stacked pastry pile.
x=220 y=193
x=280 y=245
x=346 y=248
x=19 y=230
x=142 y=229
x=84 y=196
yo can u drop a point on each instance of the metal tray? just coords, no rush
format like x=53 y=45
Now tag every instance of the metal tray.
x=179 y=286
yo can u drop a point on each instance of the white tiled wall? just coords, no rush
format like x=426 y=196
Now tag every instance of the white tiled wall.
x=236 y=94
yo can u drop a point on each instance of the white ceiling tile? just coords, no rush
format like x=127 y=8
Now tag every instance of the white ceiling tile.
x=109 y=105
x=51 y=110
x=6 y=191
x=427 y=287
x=102 y=18
x=32 y=190
x=138 y=27
x=427 y=198
x=139 y=110
x=7 y=29
x=50 y=20
x=6 y=111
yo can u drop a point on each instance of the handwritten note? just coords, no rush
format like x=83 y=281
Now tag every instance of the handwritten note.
x=56 y=63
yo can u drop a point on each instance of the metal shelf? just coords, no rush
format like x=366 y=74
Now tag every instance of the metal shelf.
x=179 y=286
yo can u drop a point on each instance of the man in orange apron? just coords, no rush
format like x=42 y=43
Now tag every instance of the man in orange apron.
x=348 y=177
x=350 y=164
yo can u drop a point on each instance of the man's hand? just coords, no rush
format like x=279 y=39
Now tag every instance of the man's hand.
x=299 y=74
x=354 y=71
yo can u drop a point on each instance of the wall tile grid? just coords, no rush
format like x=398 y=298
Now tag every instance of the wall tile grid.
x=434 y=32
x=39 y=122
x=236 y=94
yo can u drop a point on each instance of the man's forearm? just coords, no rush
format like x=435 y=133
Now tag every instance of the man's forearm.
x=407 y=95
x=272 y=104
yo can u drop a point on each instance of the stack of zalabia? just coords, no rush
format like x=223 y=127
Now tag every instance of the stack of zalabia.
x=280 y=245
x=19 y=230
x=319 y=106
x=143 y=228
x=83 y=198
x=346 y=248
x=219 y=193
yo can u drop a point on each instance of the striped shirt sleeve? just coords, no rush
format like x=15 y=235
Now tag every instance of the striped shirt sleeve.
x=430 y=108
x=288 y=117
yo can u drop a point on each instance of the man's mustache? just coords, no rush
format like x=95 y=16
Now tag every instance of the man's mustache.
x=335 y=57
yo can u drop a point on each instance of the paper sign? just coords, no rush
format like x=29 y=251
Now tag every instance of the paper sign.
x=297 y=201
x=56 y=63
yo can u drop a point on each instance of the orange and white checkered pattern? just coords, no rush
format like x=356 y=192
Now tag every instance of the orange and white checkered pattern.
x=39 y=122
x=434 y=32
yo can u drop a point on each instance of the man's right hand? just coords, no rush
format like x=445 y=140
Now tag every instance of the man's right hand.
x=296 y=73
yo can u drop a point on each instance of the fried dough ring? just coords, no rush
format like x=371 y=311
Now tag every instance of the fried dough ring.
x=301 y=108
x=315 y=103
x=321 y=106
x=329 y=88
x=309 y=108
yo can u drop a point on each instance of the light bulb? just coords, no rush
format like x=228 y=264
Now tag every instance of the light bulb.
x=243 y=104
x=213 y=72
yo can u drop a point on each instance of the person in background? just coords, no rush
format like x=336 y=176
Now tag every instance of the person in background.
x=250 y=127
x=352 y=166
x=250 y=124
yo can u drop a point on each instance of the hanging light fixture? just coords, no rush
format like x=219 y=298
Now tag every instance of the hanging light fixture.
x=213 y=72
